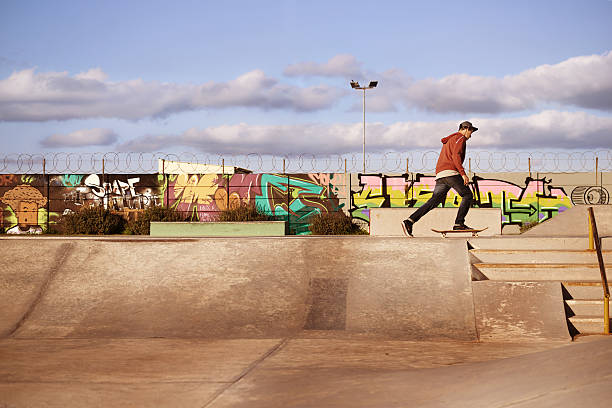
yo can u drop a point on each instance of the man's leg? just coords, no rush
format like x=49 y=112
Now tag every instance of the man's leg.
x=438 y=196
x=456 y=182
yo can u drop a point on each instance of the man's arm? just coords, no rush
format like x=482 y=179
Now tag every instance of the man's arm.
x=457 y=151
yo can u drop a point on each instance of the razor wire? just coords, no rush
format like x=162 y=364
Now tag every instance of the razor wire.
x=389 y=162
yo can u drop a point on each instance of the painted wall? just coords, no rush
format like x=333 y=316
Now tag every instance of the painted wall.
x=33 y=203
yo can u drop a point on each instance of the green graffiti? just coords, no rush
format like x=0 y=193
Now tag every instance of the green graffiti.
x=71 y=180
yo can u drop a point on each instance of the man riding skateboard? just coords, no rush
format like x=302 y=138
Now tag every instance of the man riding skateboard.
x=449 y=174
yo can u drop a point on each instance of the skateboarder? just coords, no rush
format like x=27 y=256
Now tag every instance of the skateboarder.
x=449 y=174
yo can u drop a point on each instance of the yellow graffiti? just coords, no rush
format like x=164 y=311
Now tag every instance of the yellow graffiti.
x=194 y=189
x=368 y=198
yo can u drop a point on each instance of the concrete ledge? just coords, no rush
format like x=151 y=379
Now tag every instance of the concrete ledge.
x=387 y=221
x=219 y=229
x=507 y=311
x=575 y=221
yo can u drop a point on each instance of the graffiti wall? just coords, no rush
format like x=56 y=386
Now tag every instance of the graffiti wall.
x=523 y=198
x=293 y=198
x=33 y=204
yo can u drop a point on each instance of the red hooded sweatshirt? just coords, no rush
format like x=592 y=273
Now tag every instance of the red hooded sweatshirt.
x=452 y=154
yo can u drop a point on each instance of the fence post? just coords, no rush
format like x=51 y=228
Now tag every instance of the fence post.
x=46 y=178
x=596 y=168
x=288 y=203
x=104 y=200
x=529 y=163
x=166 y=182
x=538 y=195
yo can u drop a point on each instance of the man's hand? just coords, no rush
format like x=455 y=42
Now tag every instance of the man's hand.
x=466 y=180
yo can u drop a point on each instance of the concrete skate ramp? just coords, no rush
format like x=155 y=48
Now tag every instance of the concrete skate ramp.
x=574 y=222
x=236 y=287
x=25 y=269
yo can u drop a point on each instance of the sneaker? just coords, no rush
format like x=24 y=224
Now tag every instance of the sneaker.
x=407 y=227
x=461 y=227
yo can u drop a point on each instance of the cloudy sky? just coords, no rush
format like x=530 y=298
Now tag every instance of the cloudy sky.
x=273 y=76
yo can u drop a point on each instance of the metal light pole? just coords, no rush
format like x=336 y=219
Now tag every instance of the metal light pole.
x=355 y=85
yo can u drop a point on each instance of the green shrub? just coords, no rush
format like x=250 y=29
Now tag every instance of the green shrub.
x=526 y=226
x=334 y=223
x=142 y=224
x=92 y=221
x=244 y=212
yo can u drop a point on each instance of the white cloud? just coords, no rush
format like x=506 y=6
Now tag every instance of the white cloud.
x=552 y=129
x=342 y=65
x=584 y=81
x=30 y=96
x=81 y=138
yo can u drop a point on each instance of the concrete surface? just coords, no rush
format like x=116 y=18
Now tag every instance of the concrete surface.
x=574 y=221
x=239 y=287
x=305 y=371
x=506 y=311
x=523 y=242
x=540 y=271
x=574 y=375
x=24 y=269
x=279 y=322
x=387 y=221
x=539 y=256
x=218 y=229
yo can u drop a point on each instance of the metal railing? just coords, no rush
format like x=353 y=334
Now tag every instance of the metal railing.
x=595 y=241
x=388 y=162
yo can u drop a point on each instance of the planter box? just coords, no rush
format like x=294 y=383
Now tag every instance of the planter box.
x=219 y=229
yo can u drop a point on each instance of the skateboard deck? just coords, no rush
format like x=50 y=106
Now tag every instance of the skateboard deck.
x=474 y=231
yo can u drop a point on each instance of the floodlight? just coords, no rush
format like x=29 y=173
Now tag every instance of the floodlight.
x=355 y=85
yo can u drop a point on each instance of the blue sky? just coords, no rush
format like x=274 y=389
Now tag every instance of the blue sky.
x=272 y=76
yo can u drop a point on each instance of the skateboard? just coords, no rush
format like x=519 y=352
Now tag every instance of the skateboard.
x=474 y=231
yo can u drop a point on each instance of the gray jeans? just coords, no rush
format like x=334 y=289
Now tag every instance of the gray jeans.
x=439 y=196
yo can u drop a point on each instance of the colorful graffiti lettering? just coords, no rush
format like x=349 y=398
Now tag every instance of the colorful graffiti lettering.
x=30 y=203
x=536 y=201
x=119 y=193
x=292 y=198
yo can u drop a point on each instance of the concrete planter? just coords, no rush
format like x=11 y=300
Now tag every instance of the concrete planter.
x=219 y=229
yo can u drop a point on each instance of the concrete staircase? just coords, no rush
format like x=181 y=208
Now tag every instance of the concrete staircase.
x=585 y=306
x=566 y=260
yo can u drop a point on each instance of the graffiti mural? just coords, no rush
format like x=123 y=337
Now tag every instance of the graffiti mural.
x=535 y=201
x=124 y=194
x=34 y=203
x=590 y=195
x=24 y=202
x=293 y=198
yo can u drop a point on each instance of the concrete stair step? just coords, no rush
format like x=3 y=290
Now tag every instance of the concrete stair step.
x=586 y=324
x=539 y=256
x=530 y=243
x=584 y=290
x=586 y=307
x=538 y=272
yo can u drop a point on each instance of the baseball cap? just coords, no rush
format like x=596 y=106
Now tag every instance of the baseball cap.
x=467 y=124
